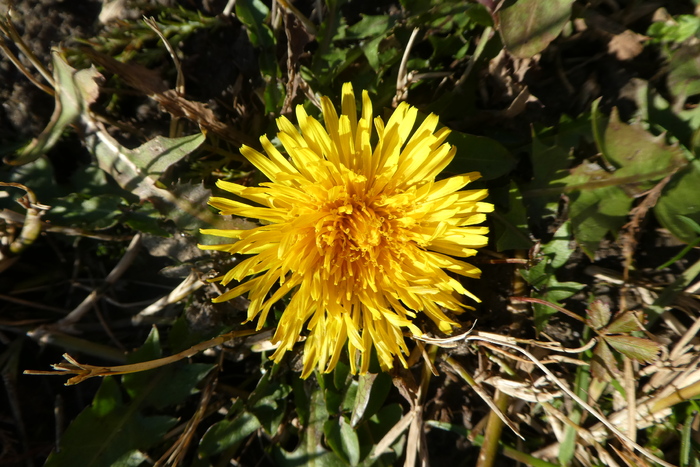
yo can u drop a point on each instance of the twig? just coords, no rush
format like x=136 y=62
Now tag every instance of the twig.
x=600 y=417
x=480 y=391
x=183 y=290
x=402 y=78
x=83 y=371
x=492 y=434
x=121 y=267
x=9 y=30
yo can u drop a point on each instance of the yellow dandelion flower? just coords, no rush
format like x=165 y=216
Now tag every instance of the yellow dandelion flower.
x=362 y=238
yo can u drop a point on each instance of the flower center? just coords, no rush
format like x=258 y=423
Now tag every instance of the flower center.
x=353 y=229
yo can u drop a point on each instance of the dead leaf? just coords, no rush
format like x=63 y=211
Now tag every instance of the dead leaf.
x=627 y=45
x=150 y=83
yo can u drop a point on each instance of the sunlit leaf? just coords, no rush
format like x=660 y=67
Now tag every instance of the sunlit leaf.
x=94 y=212
x=310 y=450
x=684 y=72
x=636 y=348
x=638 y=155
x=75 y=91
x=598 y=314
x=679 y=200
x=528 y=26
x=226 y=433
x=623 y=324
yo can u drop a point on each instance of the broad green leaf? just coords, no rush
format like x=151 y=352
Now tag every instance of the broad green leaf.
x=254 y=14
x=684 y=72
x=154 y=157
x=511 y=229
x=682 y=27
x=373 y=430
x=554 y=292
x=349 y=441
x=75 y=91
x=549 y=167
x=90 y=180
x=679 y=200
x=560 y=247
x=226 y=433
x=165 y=386
x=594 y=212
x=370 y=26
x=138 y=171
x=528 y=26
x=270 y=405
x=108 y=430
x=145 y=218
x=93 y=212
x=310 y=451
x=480 y=154
x=130 y=459
x=640 y=157
x=364 y=391
x=38 y=176
x=342 y=439
x=637 y=348
x=538 y=275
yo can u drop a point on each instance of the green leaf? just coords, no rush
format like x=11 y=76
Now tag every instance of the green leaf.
x=549 y=166
x=568 y=444
x=636 y=348
x=682 y=27
x=138 y=171
x=310 y=451
x=374 y=429
x=639 y=156
x=75 y=91
x=130 y=459
x=342 y=439
x=373 y=389
x=679 y=200
x=511 y=229
x=226 y=433
x=370 y=26
x=480 y=154
x=93 y=213
x=108 y=430
x=594 y=212
x=528 y=26
x=684 y=72
x=559 y=248
x=349 y=442
x=270 y=405
x=687 y=441
x=554 y=292
x=165 y=386
x=253 y=14
x=145 y=218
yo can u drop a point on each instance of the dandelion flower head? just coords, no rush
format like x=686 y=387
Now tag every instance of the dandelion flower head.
x=356 y=230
